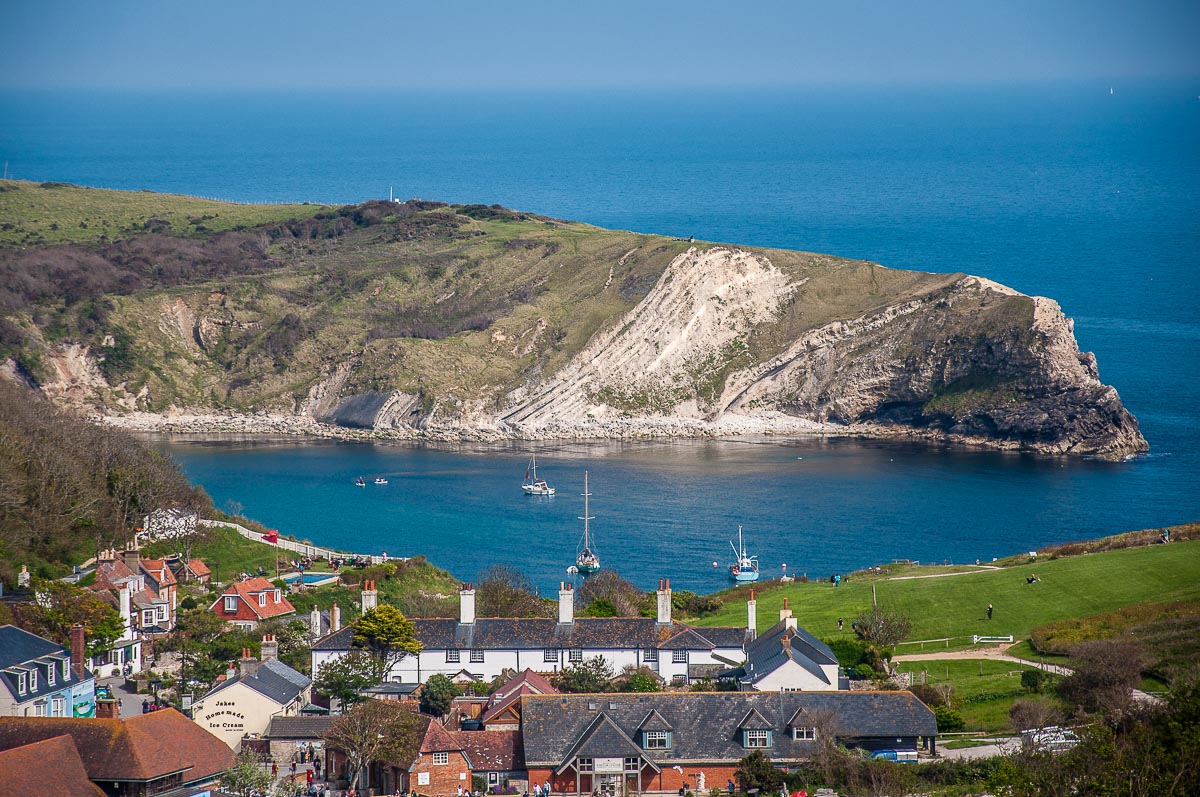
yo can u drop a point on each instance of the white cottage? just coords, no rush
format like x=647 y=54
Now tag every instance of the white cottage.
x=786 y=658
x=245 y=703
x=486 y=647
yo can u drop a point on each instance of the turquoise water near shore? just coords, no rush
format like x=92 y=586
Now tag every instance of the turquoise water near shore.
x=1060 y=190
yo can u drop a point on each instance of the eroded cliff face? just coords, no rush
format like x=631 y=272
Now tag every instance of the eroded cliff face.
x=721 y=344
x=976 y=362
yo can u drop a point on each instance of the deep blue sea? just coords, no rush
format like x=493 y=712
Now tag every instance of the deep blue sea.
x=1062 y=190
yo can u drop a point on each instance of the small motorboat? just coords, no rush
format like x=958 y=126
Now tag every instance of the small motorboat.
x=381 y=480
x=360 y=482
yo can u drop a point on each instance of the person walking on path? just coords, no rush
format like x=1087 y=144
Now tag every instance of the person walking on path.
x=839 y=624
x=275 y=770
x=989 y=611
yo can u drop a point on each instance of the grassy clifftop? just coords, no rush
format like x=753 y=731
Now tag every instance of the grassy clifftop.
x=191 y=302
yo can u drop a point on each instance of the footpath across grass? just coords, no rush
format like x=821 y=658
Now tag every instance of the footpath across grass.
x=956 y=606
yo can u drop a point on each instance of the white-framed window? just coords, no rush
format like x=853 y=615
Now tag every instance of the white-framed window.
x=39 y=708
x=22 y=684
x=262 y=599
x=441 y=758
x=585 y=765
x=550 y=654
x=493 y=778
x=576 y=654
x=162 y=612
x=632 y=763
x=148 y=617
x=277 y=595
x=50 y=675
x=66 y=669
x=804 y=734
x=757 y=738
x=679 y=678
x=33 y=685
x=476 y=655
x=679 y=656
x=231 y=603
x=650 y=654
x=58 y=707
x=657 y=740
x=452 y=656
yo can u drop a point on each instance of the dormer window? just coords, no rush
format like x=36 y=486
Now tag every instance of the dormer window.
x=22 y=684
x=33 y=685
x=230 y=603
x=277 y=596
x=66 y=669
x=50 y=675
x=262 y=599
x=656 y=740
x=804 y=734
x=753 y=738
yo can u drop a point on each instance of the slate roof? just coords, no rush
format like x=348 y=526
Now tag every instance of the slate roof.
x=536 y=633
x=143 y=747
x=25 y=770
x=601 y=739
x=21 y=651
x=705 y=724
x=492 y=751
x=783 y=643
x=304 y=727
x=273 y=679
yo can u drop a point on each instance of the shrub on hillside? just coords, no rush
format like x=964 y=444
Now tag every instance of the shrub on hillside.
x=948 y=719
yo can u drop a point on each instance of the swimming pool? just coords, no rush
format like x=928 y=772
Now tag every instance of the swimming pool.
x=311 y=579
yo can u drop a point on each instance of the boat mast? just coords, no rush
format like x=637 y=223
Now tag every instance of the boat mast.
x=586 y=517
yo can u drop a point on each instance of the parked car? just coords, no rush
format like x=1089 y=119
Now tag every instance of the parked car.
x=1051 y=739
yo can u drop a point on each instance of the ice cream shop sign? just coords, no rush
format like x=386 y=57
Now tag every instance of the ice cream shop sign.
x=225 y=719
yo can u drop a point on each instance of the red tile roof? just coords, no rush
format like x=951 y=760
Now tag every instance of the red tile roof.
x=198 y=568
x=25 y=770
x=143 y=747
x=159 y=570
x=248 y=607
x=492 y=751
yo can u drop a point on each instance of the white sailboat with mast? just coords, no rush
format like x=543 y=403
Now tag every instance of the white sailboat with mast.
x=532 y=484
x=587 y=561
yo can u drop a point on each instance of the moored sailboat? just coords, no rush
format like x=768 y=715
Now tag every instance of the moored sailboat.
x=532 y=484
x=586 y=561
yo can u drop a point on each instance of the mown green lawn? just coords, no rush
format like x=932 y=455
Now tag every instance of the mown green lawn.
x=986 y=687
x=956 y=606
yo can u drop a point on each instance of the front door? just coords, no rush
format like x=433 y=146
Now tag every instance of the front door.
x=611 y=785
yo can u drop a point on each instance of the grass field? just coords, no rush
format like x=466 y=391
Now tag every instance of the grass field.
x=988 y=688
x=955 y=606
x=227 y=553
x=39 y=214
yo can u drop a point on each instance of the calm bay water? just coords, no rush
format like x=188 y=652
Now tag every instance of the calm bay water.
x=1057 y=190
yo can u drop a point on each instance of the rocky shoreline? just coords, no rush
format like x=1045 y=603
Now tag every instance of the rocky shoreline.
x=267 y=425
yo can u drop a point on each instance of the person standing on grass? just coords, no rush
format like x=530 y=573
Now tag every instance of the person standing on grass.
x=989 y=611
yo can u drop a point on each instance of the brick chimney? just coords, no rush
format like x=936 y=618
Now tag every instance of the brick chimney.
x=270 y=647
x=664 y=601
x=108 y=708
x=335 y=618
x=248 y=665
x=566 y=604
x=77 y=649
x=370 y=596
x=785 y=612
x=133 y=558
x=466 y=605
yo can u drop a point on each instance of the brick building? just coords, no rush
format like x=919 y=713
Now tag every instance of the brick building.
x=622 y=744
x=245 y=604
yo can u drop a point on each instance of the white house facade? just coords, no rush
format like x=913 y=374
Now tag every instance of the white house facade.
x=786 y=658
x=244 y=704
x=486 y=647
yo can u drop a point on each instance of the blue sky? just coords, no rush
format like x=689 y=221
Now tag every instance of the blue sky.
x=568 y=44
